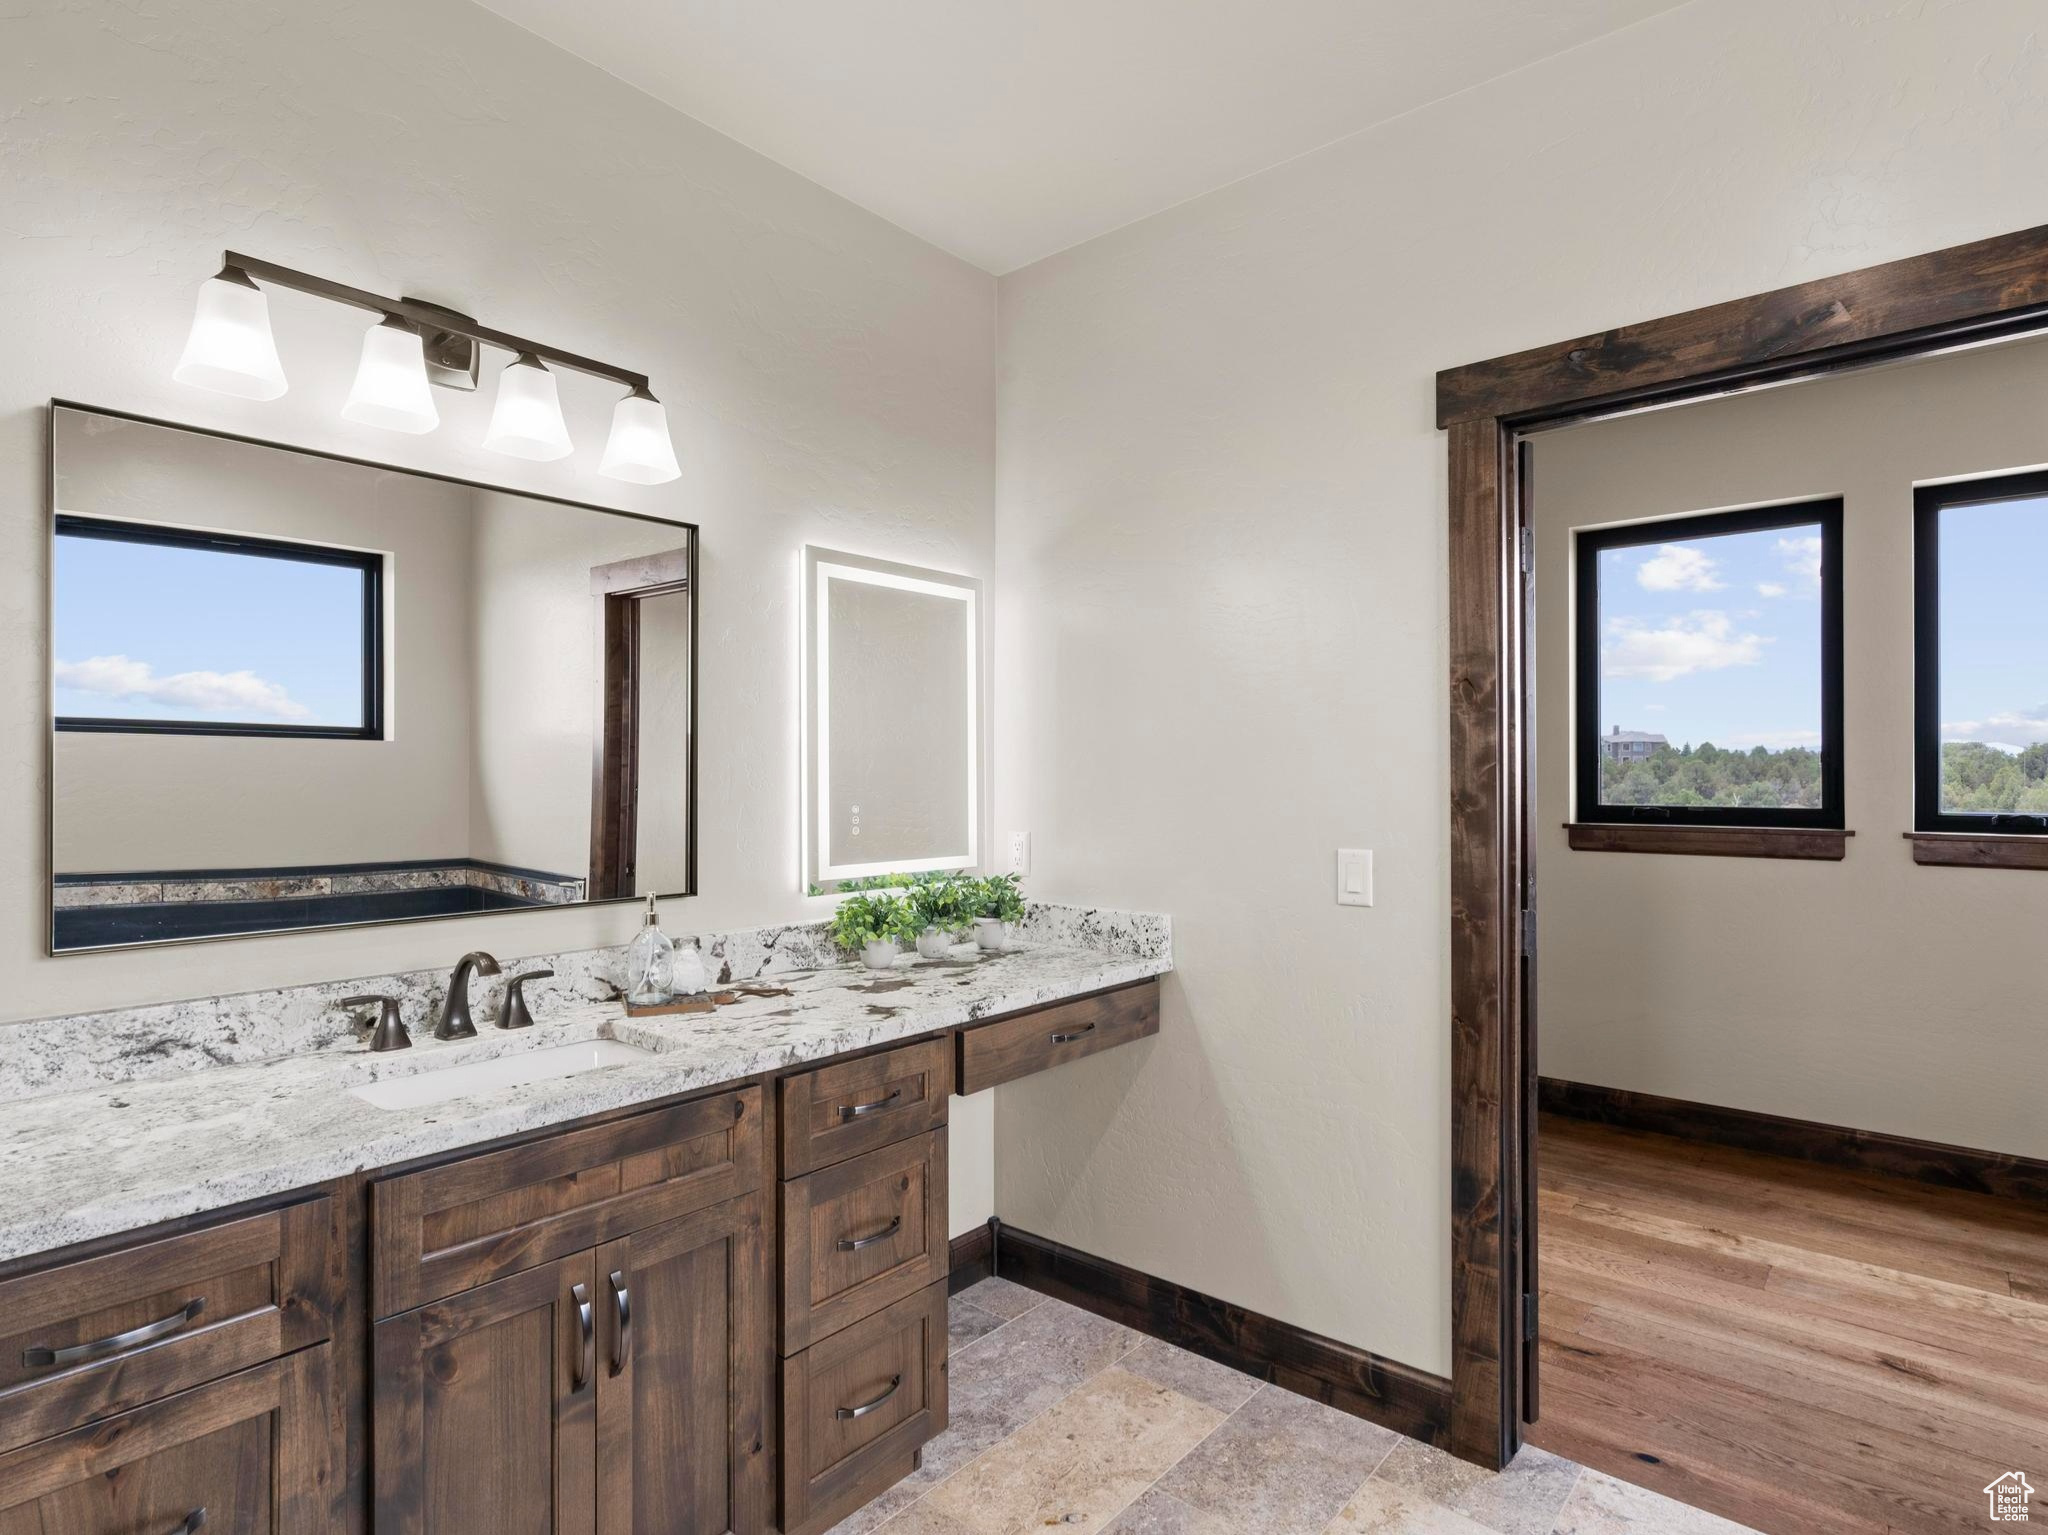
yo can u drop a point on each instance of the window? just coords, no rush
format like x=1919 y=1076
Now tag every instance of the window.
x=1709 y=687
x=171 y=631
x=1981 y=656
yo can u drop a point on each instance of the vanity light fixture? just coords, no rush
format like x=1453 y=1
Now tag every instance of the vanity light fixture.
x=415 y=344
x=230 y=349
x=527 y=420
x=391 y=387
x=639 y=449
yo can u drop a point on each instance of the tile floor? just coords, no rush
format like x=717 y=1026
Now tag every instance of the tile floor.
x=1061 y=1420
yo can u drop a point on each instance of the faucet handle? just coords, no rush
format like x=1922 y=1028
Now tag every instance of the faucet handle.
x=512 y=1012
x=389 y=1032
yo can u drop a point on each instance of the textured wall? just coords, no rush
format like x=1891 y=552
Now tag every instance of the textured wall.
x=1220 y=557
x=828 y=377
x=1873 y=992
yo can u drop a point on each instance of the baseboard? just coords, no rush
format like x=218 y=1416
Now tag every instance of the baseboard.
x=1949 y=1167
x=972 y=1258
x=1402 y=1398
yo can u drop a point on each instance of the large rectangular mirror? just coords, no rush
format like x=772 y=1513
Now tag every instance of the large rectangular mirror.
x=293 y=691
x=892 y=718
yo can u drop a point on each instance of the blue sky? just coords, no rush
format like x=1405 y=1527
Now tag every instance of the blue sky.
x=1714 y=639
x=1718 y=639
x=146 y=632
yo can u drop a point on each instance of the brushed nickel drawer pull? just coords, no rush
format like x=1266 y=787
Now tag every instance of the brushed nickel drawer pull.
x=586 y=1326
x=194 y=1522
x=855 y=1244
x=862 y=1110
x=867 y=1407
x=120 y=1342
x=622 y=1304
x=1080 y=1033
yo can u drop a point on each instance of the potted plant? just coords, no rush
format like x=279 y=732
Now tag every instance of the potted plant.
x=944 y=907
x=998 y=908
x=876 y=927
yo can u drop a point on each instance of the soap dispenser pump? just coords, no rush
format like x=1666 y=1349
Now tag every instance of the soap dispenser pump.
x=650 y=962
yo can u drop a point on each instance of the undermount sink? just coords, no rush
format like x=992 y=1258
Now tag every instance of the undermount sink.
x=440 y=1084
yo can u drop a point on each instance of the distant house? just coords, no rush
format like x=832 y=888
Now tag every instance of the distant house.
x=1630 y=745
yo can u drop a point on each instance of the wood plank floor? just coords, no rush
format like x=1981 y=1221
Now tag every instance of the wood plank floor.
x=1801 y=1349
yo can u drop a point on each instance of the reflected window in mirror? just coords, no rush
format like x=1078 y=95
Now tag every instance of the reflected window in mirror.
x=893 y=658
x=171 y=629
x=293 y=691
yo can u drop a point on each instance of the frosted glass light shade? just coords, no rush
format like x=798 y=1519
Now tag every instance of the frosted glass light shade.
x=639 y=449
x=391 y=388
x=527 y=420
x=230 y=349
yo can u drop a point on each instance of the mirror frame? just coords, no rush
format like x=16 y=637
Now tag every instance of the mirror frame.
x=814 y=564
x=49 y=682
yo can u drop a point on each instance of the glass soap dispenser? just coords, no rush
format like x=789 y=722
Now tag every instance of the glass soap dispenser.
x=650 y=962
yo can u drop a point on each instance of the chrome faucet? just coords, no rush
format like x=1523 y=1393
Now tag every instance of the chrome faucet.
x=455 y=1021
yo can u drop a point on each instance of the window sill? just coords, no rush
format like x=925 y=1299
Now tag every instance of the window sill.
x=1710 y=841
x=1979 y=850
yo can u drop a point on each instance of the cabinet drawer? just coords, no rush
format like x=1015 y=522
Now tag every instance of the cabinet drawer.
x=251 y=1454
x=842 y=1111
x=861 y=1236
x=103 y=1335
x=856 y=1407
x=467 y=1223
x=1016 y=1047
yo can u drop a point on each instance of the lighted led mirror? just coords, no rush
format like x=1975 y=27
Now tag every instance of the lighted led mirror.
x=892 y=718
x=289 y=690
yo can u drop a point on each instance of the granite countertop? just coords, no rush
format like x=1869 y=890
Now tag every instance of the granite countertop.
x=83 y=1164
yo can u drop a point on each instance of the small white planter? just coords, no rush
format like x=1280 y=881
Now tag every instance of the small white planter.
x=934 y=943
x=880 y=955
x=994 y=937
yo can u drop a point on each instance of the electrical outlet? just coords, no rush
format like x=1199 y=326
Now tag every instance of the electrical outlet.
x=1020 y=852
x=1354 y=876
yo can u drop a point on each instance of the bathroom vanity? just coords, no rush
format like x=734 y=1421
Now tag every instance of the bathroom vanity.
x=699 y=1288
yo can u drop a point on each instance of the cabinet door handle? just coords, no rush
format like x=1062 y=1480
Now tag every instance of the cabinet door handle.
x=586 y=1325
x=1081 y=1033
x=622 y=1305
x=862 y=1110
x=192 y=1523
x=120 y=1342
x=855 y=1244
x=867 y=1407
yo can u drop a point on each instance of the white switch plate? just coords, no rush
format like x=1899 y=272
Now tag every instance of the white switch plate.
x=1020 y=852
x=1354 y=876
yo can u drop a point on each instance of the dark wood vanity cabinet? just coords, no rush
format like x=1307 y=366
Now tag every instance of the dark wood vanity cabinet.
x=605 y=1370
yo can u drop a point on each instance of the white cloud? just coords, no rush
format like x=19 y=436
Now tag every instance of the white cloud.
x=2025 y=726
x=239 y=693
x=1771 y=588
x=1701 y=641
x=1676 y=568
x=1802 y=559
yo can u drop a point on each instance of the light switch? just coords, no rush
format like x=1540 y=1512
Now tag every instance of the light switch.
x=1020 y=852
x=1354 y=876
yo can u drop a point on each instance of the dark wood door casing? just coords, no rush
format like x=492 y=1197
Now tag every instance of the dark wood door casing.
x=1914 y=307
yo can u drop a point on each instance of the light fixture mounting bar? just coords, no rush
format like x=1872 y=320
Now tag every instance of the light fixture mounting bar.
x=430 y=317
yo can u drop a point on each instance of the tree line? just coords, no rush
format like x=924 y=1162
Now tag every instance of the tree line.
x=1975 y=777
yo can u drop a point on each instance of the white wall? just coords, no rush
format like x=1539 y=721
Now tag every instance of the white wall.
x=828 y=377
x=144 y=802
x=1874 y=992
x=1220 y=565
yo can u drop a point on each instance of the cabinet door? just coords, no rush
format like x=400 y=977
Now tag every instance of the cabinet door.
x=486 y=1408
x=683 y=1377
x=249 y=1454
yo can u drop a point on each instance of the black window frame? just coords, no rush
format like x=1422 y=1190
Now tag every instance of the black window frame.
x=1929 y=502
x=1590 y=544
x=369 y=563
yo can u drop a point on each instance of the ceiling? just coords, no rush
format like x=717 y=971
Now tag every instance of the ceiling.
x=1004 y=132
